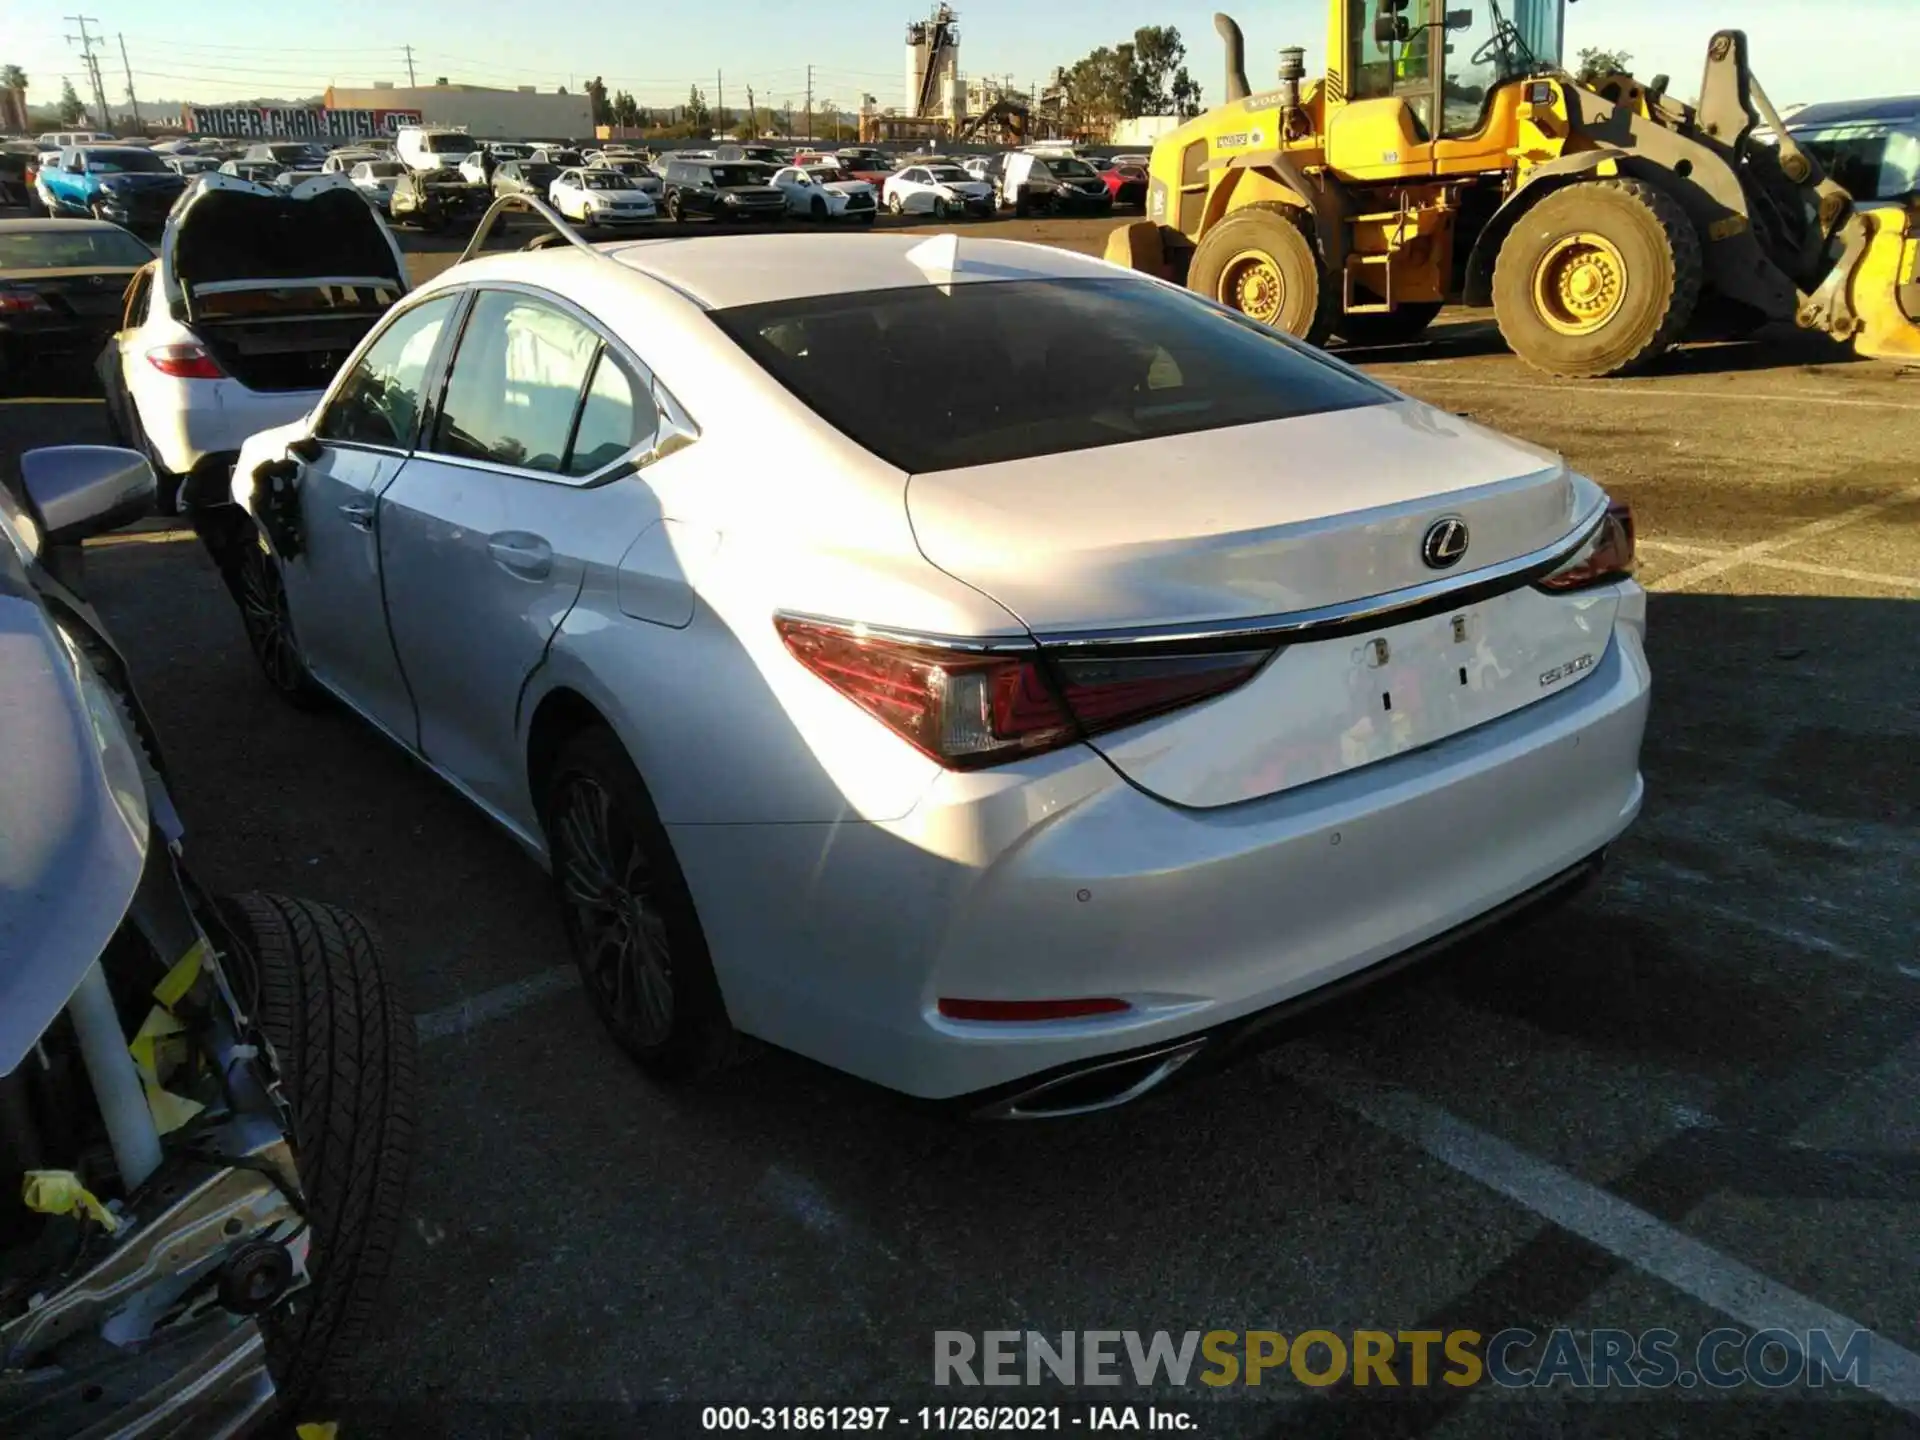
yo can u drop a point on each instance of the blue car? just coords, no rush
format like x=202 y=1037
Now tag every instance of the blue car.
x=123 y=183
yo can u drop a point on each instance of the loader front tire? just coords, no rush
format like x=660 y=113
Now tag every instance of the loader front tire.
x=1259 y=261
x=1600 y=278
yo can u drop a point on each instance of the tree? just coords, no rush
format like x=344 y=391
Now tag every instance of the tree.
x=1098 y=88
x=625 y=110
x=1186 y=94
x=12 y=77
x=1157 y=53
x=698 y=116
x=1597 y=64
x=72 y=109
x=597 y=98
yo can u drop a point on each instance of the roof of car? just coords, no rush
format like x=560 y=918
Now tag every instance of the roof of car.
x=722 y=271
x=15 y=227
x=1854 y=112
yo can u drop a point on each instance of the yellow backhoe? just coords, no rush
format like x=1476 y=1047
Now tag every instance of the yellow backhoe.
x=1447 y=156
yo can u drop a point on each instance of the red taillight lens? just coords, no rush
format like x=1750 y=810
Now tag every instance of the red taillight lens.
x=1607 y=557
x=185 y=362
x=1029 y=1009
x=967 y=710
x=20 y=302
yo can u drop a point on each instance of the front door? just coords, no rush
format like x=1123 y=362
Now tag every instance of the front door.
x=487 y=533
x=361 y=443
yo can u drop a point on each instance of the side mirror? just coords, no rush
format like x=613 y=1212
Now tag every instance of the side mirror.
x=1390 y=30
x=1459 y=19
x=82 y=490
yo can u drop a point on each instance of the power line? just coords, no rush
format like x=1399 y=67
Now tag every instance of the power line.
x=92 y=64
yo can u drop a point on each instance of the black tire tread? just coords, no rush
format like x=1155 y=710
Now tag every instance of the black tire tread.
x=347 y=1051
x=1689 y=271
x=1327 y=307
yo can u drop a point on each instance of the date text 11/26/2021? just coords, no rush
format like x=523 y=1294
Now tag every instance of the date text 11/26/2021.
x=942 y=1419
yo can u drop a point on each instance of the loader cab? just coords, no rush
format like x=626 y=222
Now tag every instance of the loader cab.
x=1444 y=62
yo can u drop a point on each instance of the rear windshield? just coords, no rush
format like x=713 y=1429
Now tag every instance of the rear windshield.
x=605 y=180
x=932 y=378
x=448 y=144
x=65 y=248
x=949 y=174
x=725 y=175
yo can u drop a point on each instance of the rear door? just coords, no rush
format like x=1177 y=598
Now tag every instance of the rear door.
x=112 y=364
x=365 y=429
x=486 y=535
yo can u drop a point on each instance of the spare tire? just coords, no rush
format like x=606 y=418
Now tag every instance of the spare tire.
x=345 y=1045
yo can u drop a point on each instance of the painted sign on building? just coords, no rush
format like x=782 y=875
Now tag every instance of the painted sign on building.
x=293 y=122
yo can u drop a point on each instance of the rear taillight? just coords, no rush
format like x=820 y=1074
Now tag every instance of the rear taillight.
x=184 y=362
x=967 y=709
x=1608 y=556
x=21 y=302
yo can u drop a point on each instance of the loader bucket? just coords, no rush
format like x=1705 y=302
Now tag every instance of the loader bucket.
x=1885 y=288
x=1139 y=247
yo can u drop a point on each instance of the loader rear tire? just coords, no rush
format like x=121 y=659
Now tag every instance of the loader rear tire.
x=1260 y=261
x=1397 y=327
x=1600 y=278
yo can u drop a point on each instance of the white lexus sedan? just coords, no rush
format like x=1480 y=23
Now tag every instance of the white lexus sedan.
x=942 y=190
x=819 y=193
x=1097 y=676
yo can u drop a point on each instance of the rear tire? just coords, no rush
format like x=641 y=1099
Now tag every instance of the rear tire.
x=819 y=210
x=1408 y=322
x=1600 y=278
x=1260 y=262
x=346 y=1048
x=675 y=211
x=629 y=917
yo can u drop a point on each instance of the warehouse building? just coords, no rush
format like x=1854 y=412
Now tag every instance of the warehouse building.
x=487 y=113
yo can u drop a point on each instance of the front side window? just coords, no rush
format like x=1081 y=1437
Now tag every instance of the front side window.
x=932 y=378
x=515 y=383
x=379 y=403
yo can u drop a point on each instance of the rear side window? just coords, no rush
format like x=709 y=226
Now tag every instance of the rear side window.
x=515 y=383
x=940 y=378
x=379 y=402
x=616 y=416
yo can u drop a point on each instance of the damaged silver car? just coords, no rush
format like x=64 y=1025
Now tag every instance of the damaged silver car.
x=205 y=1102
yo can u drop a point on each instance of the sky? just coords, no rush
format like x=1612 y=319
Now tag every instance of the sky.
x=212 y=50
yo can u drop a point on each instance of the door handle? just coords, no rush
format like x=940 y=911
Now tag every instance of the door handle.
x=518 y=553
x=359 y=514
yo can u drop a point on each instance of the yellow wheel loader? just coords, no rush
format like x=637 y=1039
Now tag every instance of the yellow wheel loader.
x=1447 y=156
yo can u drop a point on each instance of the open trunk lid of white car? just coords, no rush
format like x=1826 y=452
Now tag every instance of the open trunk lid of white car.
x=279 y=285
x=1148 y=482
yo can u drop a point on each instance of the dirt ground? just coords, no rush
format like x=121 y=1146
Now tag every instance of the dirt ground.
x=1686 y=1102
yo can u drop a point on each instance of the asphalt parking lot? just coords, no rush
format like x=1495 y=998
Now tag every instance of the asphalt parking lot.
x=1685 y=1102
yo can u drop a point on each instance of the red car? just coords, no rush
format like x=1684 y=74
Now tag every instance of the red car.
x=1127 y=184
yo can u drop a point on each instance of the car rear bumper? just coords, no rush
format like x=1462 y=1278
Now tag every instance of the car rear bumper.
x=1054 y=879
x=34 y=335
x=187 y=420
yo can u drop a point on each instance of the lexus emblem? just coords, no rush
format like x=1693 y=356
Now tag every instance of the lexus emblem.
x=1445 y=542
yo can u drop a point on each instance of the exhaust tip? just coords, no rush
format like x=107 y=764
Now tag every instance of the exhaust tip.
x=1101 y=1085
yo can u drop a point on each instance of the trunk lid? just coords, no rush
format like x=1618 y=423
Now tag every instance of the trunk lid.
x=1227 y=529
x=236 y=234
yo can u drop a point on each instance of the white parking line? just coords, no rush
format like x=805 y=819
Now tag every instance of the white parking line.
x=1797 y=567
x=1624 y=1231
x=1706 y=570
x=494 y=1004
x=1619 y=391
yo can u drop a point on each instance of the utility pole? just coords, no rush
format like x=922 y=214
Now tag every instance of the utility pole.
x=809 y=102
x=753 y=117
x=410 y=80
x=720 y=102
x=93 y=65
x=131 y=98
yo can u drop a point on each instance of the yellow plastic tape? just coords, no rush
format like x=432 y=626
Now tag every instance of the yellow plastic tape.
x=59 y=1192
x=318 y=1430
x=152 y=1048
x=177 y=981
